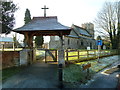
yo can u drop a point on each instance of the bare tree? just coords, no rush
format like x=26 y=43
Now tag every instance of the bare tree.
x=107 y=19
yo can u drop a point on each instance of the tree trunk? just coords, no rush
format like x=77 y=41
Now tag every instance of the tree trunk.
x=112 y=35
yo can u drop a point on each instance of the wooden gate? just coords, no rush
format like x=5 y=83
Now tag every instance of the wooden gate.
x=50 y=55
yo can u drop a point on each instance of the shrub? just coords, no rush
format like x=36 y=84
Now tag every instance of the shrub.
x=74 y=73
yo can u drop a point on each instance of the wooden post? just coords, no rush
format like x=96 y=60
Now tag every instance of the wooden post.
x=61 y=61
x=66 y=55
x=56 y=55
x=26 y=40
x=45 y=56
x=14 y=46
x=109 y=51
x=60 y=71
x=34 y=53
x=87 y=66
x=87 y=53
x=61 y=57
x=88 y=73
x=78 y=55
x=29 y=42
x=99 y=47
x=94 y=53
x=61 y=52
x=2 y=47
x=104 y=52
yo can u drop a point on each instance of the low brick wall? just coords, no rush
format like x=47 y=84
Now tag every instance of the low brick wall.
x=9 y=58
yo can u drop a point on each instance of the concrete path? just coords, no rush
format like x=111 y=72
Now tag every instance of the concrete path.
x=104 y=81
x=35 y=76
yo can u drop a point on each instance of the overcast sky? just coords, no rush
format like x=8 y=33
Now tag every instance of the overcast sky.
x=68 y=11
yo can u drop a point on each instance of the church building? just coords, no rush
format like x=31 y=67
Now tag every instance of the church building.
x=79 y=38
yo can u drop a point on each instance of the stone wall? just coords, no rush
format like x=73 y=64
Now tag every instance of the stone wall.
x=54 y=44
x=73 y=43
x=9 y=58
x=80 y=43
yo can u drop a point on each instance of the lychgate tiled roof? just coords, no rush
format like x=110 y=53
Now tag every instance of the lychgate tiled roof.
x=42 y=24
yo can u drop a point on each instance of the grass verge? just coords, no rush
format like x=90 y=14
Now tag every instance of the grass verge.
x=74 y=73
x=8 y=72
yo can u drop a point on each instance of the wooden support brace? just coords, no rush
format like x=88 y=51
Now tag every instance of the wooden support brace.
x=56 y=55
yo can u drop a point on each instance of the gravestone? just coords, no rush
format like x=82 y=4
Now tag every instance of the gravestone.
x=88 y=48
x=104 y=47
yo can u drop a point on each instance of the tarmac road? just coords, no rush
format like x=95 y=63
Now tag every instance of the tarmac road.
x=38 y=75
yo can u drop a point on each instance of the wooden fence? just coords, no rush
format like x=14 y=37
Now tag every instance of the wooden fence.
x=80 y=54
x=72 y=54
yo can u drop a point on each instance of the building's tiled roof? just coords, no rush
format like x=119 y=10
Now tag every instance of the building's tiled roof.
x=6 y=39
x=72 y=36
x=42 y=24
x=77 y=37
x=81 y=30
x=86 y=38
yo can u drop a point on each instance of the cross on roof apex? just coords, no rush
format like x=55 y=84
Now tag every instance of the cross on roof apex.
x=45 y=10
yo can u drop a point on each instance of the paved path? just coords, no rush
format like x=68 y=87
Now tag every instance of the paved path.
x=35 y=76
x=104 y=81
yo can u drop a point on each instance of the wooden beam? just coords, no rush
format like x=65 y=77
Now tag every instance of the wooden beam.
x=26 y=39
